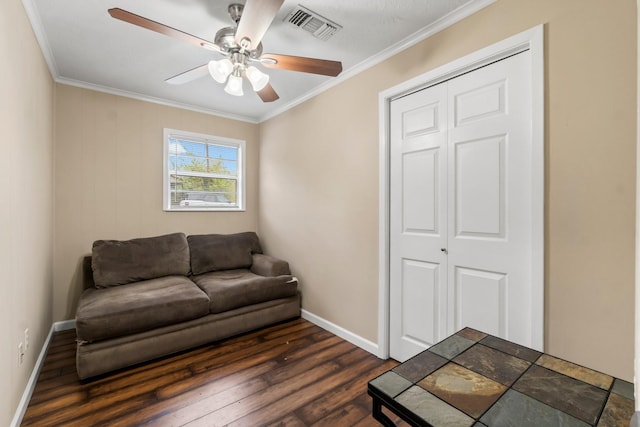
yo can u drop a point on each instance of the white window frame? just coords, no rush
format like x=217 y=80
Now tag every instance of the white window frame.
x=238 y=144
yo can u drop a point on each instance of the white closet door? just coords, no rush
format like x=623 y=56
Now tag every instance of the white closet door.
x=460 y=219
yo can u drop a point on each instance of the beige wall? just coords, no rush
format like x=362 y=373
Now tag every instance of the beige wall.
x=26 y=120
x=319 y=177
x=317 y=171
x=108 y=179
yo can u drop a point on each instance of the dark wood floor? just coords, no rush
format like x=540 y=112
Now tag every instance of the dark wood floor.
x=291 y=374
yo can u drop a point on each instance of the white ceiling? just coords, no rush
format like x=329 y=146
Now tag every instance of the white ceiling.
x=86 y=47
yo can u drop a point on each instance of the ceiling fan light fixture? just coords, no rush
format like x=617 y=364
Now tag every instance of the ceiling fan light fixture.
x=221 y=69
x=234 y=85
x=240 y=45
x=257 y=78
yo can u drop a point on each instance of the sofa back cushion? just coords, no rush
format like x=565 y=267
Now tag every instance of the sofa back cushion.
x=118 y=262
x=215 y=252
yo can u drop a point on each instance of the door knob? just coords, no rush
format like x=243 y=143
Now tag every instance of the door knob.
x=443 y=250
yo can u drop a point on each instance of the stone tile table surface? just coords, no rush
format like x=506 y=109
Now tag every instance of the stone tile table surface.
x=473 y=379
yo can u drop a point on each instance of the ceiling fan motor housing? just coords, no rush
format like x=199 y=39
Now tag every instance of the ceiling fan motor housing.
x=226 y=40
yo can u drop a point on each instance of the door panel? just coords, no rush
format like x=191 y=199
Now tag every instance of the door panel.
x=480 y=187
x=421 y=121
x=480 y=103
x=472 y=286
x=420 y=202
x=420 y=286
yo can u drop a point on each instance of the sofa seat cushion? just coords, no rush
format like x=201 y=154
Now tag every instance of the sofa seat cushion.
x=137 y=307
x=237 y=288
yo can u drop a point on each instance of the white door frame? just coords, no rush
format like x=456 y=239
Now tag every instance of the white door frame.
x=532 y=40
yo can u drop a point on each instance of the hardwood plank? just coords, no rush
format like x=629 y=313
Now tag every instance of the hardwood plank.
x=346 y=416
x=290 y=374
x=180 y=412
x=266 y=400
x=202 y=400
x=213 y=368
x=106 y=413
x=288 y=421
x=299 y=396
x=123 y=398
x=52 y=408
x=333 y=399
x=295 y=364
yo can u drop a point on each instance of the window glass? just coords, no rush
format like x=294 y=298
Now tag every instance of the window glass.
x=202 y=172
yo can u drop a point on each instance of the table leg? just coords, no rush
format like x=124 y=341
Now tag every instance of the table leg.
x=378 y=415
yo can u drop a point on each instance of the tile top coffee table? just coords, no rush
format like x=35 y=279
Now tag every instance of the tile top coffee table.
x=475 y=379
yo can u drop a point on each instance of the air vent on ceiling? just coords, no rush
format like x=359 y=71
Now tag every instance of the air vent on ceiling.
x=313 y=23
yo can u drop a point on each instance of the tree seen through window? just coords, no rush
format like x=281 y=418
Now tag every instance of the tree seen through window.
x=202 y=173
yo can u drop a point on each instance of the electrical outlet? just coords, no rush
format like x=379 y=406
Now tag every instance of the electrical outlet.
x=20 y=354
x=26 y=339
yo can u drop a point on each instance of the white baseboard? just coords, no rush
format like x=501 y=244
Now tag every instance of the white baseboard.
x=64 y=325
x=354 y=339
x=28 y=391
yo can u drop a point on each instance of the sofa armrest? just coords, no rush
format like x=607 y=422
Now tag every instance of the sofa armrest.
x=265 y=265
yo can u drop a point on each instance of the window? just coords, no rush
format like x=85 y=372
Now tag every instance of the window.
x=202 y=172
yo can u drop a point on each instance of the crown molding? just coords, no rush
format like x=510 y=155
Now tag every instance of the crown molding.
x=426 y=32
x=420 y=35
x=154 y=100
x=41 y=37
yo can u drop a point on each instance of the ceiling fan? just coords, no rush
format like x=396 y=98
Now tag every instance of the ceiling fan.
x=241 y=47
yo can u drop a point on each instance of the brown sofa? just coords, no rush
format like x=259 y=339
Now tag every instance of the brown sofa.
x=146 y=298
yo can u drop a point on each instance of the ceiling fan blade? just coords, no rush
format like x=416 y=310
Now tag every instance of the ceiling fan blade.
x=256 y=18
x=300 y=63
x=190 y=75
x=143 y=22
x=267 y=94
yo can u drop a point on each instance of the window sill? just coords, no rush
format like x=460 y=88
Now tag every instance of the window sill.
x=206 y=210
